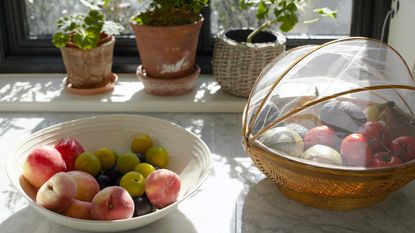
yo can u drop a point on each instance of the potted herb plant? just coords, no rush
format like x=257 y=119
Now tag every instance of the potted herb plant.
x=167 y=34
x=241 y=54
x=86 y=42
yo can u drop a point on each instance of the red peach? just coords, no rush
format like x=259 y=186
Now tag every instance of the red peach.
x=321 y=135
x=162 y=187
x=112 y=203
x=79 y=209
x=41 y=164
x=57 y=193
x=69 y=149
x=86 y=185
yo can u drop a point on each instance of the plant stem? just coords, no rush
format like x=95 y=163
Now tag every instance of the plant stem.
x=264 y=26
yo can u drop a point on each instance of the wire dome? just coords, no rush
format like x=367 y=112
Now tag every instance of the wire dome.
x=363 y=69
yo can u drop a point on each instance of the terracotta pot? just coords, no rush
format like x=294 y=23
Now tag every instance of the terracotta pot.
x=168 y=87
x=89 y=68
x=168 y=52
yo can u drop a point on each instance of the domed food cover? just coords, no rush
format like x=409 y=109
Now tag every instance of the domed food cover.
x=347 y=104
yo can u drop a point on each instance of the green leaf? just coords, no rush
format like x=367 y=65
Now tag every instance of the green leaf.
x=326 y=12
x=112 y=28
x=243 y=4
x=60 y=39
x=86 y=40
x=262 y=10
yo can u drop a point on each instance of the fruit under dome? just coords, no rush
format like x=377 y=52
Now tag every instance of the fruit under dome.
x=348 y=103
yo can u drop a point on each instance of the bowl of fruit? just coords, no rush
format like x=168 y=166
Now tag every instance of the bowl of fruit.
x=334 y=125
x=109 y=173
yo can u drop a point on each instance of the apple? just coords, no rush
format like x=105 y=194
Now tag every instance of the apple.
x=41 y=164
x=321 y=135
x=112 y=203
x=385 y=159
x=79 y=209
x=57 y=193
x=69 y=149
x=162 y=187
x=404 y=148
x=355 y=150
x=378 y=138
x=86 y=185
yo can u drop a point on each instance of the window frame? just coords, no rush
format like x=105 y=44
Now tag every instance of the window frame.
x=18 y=54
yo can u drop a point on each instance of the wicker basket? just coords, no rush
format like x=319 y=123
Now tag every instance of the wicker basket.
x=236 y=65
x=365 y=72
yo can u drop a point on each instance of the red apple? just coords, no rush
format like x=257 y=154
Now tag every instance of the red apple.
x=385 y=159
x=41 y=164
x=355 y=150
x=57 y=193
x=378 y=138
x=162 y=187
x=321 y=135
x=404 y=148
x=112 y=203
x=69 y=149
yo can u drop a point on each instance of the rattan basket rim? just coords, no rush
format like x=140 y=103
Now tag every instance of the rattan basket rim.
x=328 y=169
x=280 y=41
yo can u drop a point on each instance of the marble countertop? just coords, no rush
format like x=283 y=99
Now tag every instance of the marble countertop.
x=236 y=197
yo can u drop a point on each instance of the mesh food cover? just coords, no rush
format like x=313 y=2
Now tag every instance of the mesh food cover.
x=346 y=103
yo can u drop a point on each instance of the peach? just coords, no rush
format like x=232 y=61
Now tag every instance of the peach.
x=79 y=209
x=69 y=149
x=86 y=185
x=57 y=193
x=41 y=164
x=162 y=187
x=112 y=203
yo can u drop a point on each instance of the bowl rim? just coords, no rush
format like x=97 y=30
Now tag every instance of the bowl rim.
x=60 y=217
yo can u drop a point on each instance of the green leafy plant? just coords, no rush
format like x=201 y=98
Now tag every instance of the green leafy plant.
x=168 y=12
x=85 y=30
x=283 y=12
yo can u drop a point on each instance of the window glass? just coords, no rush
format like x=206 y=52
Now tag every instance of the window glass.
x=41 y=15
x=226 y=14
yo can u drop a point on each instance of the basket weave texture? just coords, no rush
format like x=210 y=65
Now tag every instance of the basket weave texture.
x=236 y=66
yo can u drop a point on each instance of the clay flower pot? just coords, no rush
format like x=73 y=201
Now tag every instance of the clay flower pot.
x=168 y=52
x=89 y=68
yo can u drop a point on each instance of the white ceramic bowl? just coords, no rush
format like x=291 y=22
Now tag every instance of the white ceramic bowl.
x=189 y=158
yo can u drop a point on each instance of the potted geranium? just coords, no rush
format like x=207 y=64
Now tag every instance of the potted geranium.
x=241 y=54
x=167 y=34
x=86 y=42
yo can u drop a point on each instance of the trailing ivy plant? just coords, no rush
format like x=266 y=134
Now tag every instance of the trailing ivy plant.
x=85 y=30
x=283 y=12
x=168 y=12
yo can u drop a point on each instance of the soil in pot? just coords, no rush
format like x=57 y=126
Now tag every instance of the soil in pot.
x=240 y=36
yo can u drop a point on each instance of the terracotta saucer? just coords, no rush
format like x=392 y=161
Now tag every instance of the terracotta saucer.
x=91 y=91
x=168 y=86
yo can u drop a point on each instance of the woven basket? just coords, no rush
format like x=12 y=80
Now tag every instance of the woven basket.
x=236 y=65
x=293 y=88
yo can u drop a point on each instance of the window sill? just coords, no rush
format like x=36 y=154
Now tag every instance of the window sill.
x=46 y=93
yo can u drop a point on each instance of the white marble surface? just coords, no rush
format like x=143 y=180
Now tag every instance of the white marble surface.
x=46 y=93
x=235 y=198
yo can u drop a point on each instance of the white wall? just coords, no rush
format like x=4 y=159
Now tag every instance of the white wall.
x=402 y=31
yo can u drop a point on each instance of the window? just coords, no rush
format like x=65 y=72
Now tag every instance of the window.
x=26 y=27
